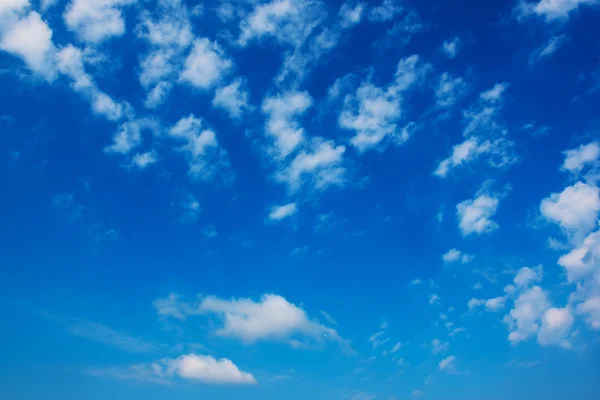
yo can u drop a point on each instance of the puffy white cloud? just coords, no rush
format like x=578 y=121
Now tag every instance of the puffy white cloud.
x=320 y=167
x=434 y=299
x=474 y=303
x=205 y=65
x=575 y=209
x=527 y=276
x=69 y=61
x=266 y=19
x=455 y=255
x=556 y=323
x=201 y=147
x=447 y=364
x=373 y=112
x=95 y=21
x=494 y=304
x=437 y=346
x=577 y=159
x=191 y=367
x=278 y=213
x=475 y=215
x=387 y=10
x=129 y=135
x=451 y=47
x=208 y=370
x=551 y=10
x=591 y=308
x=27 y=36
x=464 y=152
x=233 y=98
x=351 y=13
x=581 y=261
x=548 y=49
x=450 y=90
x=524 y=318
x=142 y=160
x=272 y=318
x=282 y=126
x=494 y=95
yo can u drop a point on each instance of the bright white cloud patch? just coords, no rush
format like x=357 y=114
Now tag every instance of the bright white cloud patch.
x=524 y=319
x=475 y=215
x=450 y=90
x=373 y=112
x=278 y=213
x=556 y=323
x=447 y=364
x=282 y=125
x=547 y=50
x=387 y=10
x=351 y=13
x=205 y=65
x=582 y=260
x=575 y=209
x=454 y=255
x=95 y=21
x=28 y=37
x=201 y=147
x=272 y=318
x=208 y=370
x=551 y=10
x=233 y=98
x=577 y=159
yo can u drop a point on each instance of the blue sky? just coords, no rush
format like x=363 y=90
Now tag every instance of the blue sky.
x=299 y=198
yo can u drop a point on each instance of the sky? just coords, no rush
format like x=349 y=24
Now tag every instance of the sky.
x=353 y=200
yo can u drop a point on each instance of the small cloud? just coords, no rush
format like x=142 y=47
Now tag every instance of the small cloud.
x=279 y=213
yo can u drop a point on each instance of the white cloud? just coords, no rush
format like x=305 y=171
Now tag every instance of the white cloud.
x=527 y=276
x=575 y=209
x=556 y=323
x=495 y=304
x=142 y=160
x=451 y=47
x=524 y=319
x=27 y=37
x=278 y=213
x=475 y=215
x=581 y=261
x=417 y=393
x=201 y=147
x=373 y=112
x=591 y=307
x=171 y=306
x=434 y=299
x=494 y=95
x=318 y=167
x=129 y=134
x=547 y=49
x=268 y=19
x=387 y=10
x=464 y=152
x=208 y=370
x=351 y=13
x=281 y=125
x=437 y=346
x=474 y=303
x=191 y=367
x=272 y=318
x=205 y=65
x=551 y=10
x=233 y=98
x=450 y=90
x=95 y=21
x=577 y=159
x=455 y=255
x=378 y=339
x=477 y=286
x=456 y=331
x=447 y=364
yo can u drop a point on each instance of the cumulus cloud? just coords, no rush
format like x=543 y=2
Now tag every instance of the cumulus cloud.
x=575 y=209
x=278 y=213
x=282 y=125
x=351 y=13
x=201 y=148
x=271 y=318
x=524 y=318
x=233 y=98
x=451 y=47
x=386 y=11
x=577 y=159
x=556 y=323
x=28 y=37
x=95 y=21
x=69 y=61
x=129 y=135
x=205 y=65
x=582 y=260
x=551 y=10
x=191 y=367
x=449 y=90
x=455 y=255
x=373 y=112
x=475 y=215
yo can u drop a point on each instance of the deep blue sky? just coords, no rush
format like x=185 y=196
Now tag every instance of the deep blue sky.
x=299 y=198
